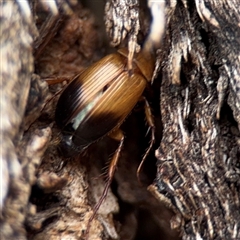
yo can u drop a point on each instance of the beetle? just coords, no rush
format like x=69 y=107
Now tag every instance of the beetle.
x=97 y=102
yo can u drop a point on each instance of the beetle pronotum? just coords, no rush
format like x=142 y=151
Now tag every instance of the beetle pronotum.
x=97 y=101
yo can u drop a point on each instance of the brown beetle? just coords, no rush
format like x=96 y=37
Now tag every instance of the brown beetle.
x=99 y=100
x=96 y=102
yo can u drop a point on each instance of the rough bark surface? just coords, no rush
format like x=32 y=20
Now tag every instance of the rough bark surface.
x=195 y=194
x=16 y=70
x=198 y=158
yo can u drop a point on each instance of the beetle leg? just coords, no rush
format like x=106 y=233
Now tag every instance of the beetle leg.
x=55 y=80
x=150 y=121
x=116 y=135
x=130 y=59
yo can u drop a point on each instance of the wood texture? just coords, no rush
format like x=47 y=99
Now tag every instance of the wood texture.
x=196 y=189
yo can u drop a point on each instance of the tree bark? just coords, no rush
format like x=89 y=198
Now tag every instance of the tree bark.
x=195 y=194
x=198 y=157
